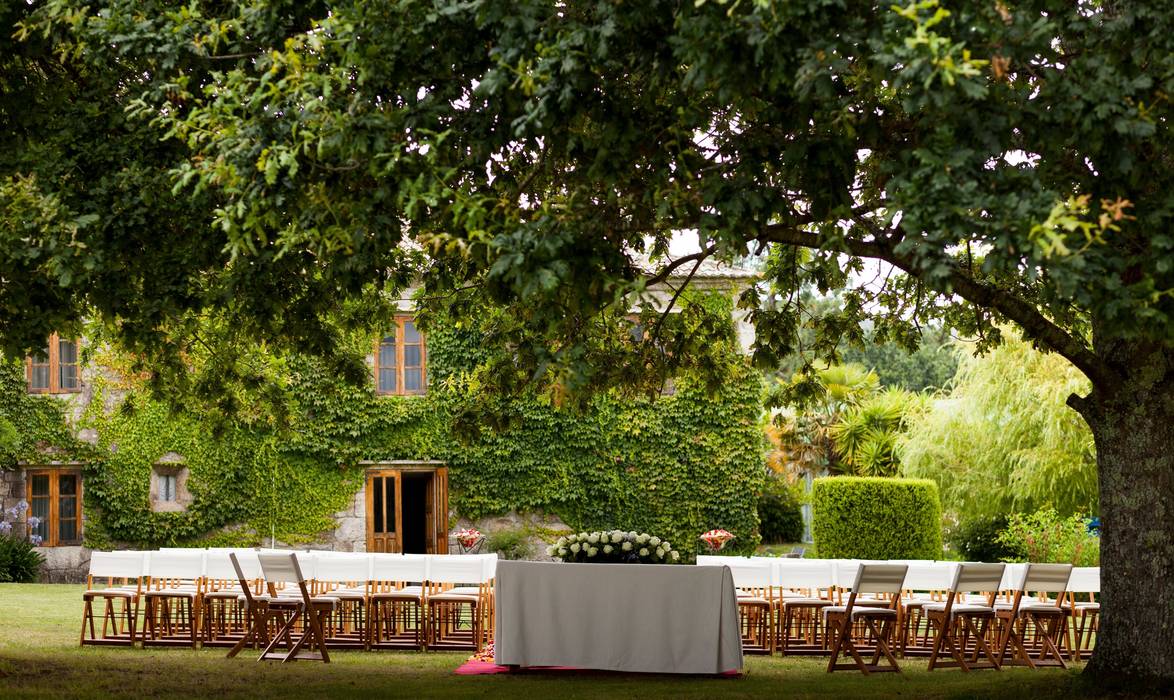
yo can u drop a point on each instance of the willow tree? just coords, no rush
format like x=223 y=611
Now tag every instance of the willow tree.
x=1006 y=162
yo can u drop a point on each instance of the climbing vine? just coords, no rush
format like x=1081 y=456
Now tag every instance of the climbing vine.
x=675 y=465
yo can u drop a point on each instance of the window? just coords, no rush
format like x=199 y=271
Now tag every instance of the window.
x=167 y=487
x=54 y=370
x=55 y=499
x=401 y=360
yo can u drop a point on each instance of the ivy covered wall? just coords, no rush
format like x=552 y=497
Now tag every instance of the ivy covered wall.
x=674 y=466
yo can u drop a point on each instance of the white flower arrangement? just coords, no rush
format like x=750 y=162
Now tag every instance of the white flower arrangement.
x=613 y=546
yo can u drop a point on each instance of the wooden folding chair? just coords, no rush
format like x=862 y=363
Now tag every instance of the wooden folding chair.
x=1083 y=615
x=878 y=621
x=396 y=601
x=247 y=568
x=925 y=583
x=123 y=572
x=957 y=623
x=345 y=576
x=1045 y=619
x=310 y=611
x=457 y=601
x=754 y=583
x=804 y=587
x=172 y=599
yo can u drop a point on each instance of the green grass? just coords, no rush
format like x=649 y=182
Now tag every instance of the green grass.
x=40 y=658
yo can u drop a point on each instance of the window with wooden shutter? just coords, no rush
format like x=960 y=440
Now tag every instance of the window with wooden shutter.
x=401 y=360
x=55 y=369
x=55 y=499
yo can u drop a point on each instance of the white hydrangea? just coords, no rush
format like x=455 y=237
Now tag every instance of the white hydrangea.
x=655 y=541
x=592 y=551
x=576 y=547
x=562 y=551
x=608 y=549
x=572 y=538
x=593 y=538
x=617 y=537
x=660 y=552
x=582 y=535
x=562 y=541
x=667 y=547
x=627 y=546
x=676 y=555
x=641 y=539
x=643 y=551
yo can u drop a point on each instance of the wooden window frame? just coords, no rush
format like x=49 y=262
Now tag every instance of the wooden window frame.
x=53 y=521
x=54 y=363
x=399 y=321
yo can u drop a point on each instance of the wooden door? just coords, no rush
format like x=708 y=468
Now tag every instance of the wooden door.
x=384 y=517
x=439 y=510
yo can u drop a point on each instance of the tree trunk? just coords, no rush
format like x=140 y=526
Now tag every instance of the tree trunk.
x=1133 y=427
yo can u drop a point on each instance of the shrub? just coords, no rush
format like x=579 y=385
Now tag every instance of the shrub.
x=876 y=518
x=19 y=562
x=1045 y=537
x=509 y=544
x=978 y=539
x=780 y=518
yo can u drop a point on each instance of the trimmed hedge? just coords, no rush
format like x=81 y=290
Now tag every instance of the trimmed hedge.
x=876 y=518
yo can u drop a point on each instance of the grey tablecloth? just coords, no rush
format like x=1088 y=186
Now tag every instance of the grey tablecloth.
x=617 y=617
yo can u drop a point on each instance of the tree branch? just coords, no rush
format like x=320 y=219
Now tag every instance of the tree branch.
x=1037 y=326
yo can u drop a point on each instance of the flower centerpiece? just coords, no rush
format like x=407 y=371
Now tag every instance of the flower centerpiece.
x=717 y=539
x=613 y=547
x=468 y=539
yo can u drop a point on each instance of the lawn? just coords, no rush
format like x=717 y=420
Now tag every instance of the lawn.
x=40 y=658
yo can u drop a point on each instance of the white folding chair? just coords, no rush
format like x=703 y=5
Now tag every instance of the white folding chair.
x=346 y=576
x=925 y=582
x=806 y=586
x=311 y=611
x=957 y=622
x=171 y=613
x=119 y=569
x=754 y=582
x=396 y=601
x=1046 y=620
x=875 y=579
x=456 y=602
x=1084 y=615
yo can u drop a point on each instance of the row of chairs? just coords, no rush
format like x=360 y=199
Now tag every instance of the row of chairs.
x=797 y=607
x=238 y=597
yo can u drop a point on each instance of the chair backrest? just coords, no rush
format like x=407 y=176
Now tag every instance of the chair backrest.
x=342 y=567
x=400 y=568
x=455 y=568
x=845 y=571
x=1013 y=577
x=1085 y=579
x=218 y=566
x=972 y=577
x=1047 y=578
x=281 y=568
x=924 y=575
x=247 y=566
x=880 y=578
x=751 y=572
x=185 y=564
x=126 y=564
x=804 y=573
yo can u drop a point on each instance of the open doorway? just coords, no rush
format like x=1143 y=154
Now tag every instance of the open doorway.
x=416 y=511
x=407 y=510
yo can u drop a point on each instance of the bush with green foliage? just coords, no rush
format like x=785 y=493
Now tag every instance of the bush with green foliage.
x=780 y=516
x=1003 y=440
x=19 y=561
x=1045 y=536
x=509 y=544
x=866 y=433
x=978 y=539
x=876 y=518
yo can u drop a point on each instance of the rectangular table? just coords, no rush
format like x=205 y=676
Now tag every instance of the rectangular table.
x=617 y=617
